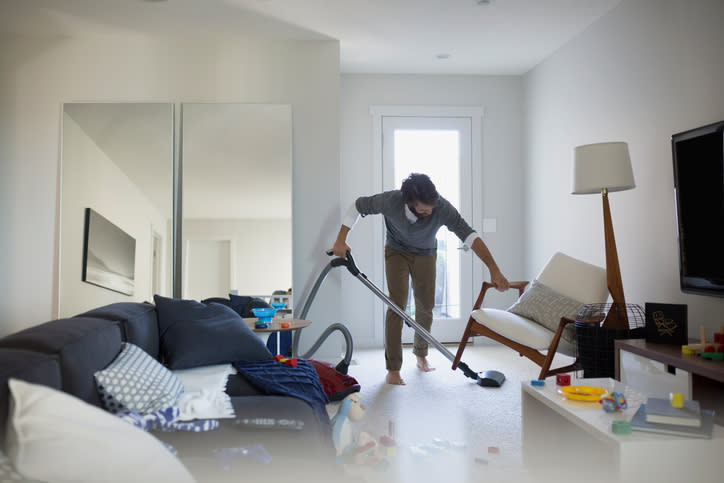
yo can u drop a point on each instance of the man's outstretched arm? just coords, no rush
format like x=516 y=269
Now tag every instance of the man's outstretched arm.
x=496 y=276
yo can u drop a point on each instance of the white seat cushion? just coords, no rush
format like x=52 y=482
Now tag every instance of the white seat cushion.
x=519 y=329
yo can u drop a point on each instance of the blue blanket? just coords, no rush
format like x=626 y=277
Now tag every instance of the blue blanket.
x=302 y=382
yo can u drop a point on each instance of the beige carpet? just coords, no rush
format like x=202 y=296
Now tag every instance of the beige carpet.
x=447 y=428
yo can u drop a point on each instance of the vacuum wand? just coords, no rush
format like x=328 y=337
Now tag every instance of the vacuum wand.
x=348 y=262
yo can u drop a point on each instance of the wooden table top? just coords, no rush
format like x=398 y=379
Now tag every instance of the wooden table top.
x=671 y=354
x=276 y=324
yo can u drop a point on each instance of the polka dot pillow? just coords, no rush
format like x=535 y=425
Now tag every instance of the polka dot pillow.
x=135 y=381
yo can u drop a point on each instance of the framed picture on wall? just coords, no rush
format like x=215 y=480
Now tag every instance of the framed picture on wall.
x=109 y=255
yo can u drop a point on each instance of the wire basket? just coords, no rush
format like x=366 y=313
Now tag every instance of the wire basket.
x=595 y=343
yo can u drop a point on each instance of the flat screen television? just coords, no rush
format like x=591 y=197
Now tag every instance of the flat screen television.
x=698 y=156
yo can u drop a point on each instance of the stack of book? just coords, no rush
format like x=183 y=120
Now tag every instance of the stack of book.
x=659 y=416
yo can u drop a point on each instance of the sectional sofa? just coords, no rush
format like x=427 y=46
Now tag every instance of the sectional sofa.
x=57 y=426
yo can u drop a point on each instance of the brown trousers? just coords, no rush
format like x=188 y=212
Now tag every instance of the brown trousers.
x=399 y=268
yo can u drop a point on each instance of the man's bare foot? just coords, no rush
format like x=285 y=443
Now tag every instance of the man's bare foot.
x=423 y=365
x=393 y=377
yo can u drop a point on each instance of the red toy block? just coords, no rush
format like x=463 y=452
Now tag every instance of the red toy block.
x=366 y=447
x=710 y=348
x=287 y=361
x=387 y=441
x=718 y=338
x=563 y=379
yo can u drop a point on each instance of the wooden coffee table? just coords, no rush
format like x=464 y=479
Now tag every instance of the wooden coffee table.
x=276 y=326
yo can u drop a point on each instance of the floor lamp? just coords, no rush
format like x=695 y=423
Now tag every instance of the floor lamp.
x=604 y=168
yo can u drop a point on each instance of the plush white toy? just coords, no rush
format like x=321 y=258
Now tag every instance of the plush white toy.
x=349 y=410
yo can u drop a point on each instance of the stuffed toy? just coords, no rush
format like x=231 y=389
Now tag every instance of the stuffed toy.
x=350 y=410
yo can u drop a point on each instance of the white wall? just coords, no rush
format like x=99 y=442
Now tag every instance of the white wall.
x=254 y=275
x=38 y=74
x=647 y=70
x=502 y=163
x=98 y=183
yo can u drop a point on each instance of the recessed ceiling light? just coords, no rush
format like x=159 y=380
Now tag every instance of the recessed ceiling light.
x=443 y=56
x=483 y=2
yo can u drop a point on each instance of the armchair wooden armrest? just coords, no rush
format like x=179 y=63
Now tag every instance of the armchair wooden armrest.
x=519 y=286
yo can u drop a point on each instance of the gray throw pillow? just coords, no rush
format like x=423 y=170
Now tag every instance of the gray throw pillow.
x=543 y=305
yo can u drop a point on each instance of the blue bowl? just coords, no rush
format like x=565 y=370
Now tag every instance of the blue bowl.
x=278 y=305
x=264 y=314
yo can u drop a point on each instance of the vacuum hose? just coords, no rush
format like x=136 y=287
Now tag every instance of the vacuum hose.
x=343 y=365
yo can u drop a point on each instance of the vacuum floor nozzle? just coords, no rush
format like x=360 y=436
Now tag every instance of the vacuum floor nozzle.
x=491 y=378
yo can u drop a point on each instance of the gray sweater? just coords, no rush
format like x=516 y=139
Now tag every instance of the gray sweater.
x=406 y=236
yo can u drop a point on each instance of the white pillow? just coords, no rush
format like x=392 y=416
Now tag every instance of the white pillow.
x=55 y=437
x=8 y=473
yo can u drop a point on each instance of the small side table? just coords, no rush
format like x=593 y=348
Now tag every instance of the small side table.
x=276 y=326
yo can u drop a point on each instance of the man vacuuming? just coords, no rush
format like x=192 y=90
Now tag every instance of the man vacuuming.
x=413 y=215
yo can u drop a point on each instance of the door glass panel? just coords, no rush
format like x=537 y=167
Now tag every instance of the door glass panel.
x=435 y=153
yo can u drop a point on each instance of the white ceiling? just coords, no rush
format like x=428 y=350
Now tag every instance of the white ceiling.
x=504 y=37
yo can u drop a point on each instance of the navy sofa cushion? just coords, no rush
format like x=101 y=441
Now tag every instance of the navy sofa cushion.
x=28 y=366
x=138 y=321
x=195 y=334
x=82 y=345
x=244 y=305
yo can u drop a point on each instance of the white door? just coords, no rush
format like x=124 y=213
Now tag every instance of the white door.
x=208 y=269
x=440 y=147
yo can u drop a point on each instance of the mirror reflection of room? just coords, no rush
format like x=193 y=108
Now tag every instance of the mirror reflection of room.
x=117 y=160
x=237 y=200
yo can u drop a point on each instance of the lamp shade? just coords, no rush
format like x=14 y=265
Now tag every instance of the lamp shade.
x=601 y=165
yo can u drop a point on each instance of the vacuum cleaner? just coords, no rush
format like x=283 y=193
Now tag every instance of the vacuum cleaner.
x=487 y=378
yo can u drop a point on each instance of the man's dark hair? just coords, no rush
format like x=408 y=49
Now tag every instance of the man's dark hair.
x=419 y=187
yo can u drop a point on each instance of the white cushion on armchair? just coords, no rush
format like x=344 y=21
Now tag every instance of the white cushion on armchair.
x=572 y=278
x=519 y=329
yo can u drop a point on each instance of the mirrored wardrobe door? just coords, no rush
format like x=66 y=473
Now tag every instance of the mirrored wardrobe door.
x=116 y=211
x=237 y=199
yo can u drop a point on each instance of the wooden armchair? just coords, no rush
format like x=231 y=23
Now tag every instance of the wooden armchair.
x=564 y=285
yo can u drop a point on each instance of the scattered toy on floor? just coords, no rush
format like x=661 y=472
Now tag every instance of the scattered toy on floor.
x=349 y=410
